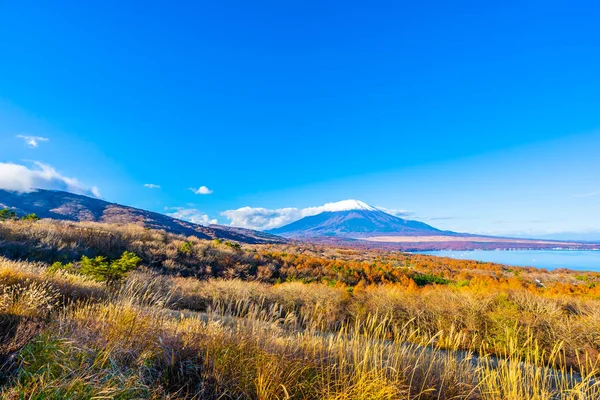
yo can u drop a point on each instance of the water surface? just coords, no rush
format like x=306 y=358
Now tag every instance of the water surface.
x=585 y=260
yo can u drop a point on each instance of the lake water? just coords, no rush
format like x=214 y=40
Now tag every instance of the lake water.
x=550 y=259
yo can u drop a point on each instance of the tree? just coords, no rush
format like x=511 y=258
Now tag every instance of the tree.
x=30 y=217
x=6 y=213
x=100 y=269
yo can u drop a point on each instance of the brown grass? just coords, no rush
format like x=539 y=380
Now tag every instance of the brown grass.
x=161 y=336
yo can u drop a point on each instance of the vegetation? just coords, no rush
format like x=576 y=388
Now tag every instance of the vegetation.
x=30 y=217
x=98 y=268
x=6 y=214
x=203 y=319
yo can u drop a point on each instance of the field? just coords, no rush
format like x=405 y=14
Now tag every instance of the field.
x=218 y=320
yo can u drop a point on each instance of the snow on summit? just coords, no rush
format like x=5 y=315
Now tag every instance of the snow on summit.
x=346 y=205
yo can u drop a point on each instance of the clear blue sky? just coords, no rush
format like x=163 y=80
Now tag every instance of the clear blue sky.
x=478 y=116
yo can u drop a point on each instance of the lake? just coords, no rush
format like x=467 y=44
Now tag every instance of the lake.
x=550 y=259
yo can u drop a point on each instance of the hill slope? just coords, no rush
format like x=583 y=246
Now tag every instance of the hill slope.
x=355 y=219
x=73 y=207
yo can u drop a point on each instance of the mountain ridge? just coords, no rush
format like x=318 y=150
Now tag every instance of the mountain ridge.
x=61 y=205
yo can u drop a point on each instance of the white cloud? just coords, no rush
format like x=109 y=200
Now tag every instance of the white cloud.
x=264 y=219
x=397 y=213
x=95 y=191
x=191 y=215
x=32 y=141
x=201 y=190
x=151 y=186
x=19 y=178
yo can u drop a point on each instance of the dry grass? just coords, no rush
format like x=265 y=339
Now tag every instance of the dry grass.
x=259 y=341
x=158 y=336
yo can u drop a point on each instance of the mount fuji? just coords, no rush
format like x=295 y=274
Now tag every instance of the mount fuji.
x=355 y=219
x=352 y=222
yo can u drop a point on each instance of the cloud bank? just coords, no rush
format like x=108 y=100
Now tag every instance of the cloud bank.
x=22 y=179
x=191 y=214
x=264 y=219
x=32 y=141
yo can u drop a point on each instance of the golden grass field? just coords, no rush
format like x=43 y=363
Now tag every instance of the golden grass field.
x=158 y=334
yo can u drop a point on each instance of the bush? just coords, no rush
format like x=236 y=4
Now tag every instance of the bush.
x=233 y=245
x=100 y=269
x=6 y=213
x=426 y=279
x=30 y=217
x=58 y=266
x=186 y=248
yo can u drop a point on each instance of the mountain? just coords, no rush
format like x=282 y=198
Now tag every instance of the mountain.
x=73 y=207
x=359 y=225
x=355 y=219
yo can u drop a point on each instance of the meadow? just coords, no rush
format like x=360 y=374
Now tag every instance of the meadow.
x=182 y=318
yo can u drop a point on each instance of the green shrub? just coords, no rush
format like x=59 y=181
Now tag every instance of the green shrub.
x=30 y=217
x=426 y=279
x=234 y=245
x=100 y=269
x=6 y=213
x=186 y=248
x=58 y=266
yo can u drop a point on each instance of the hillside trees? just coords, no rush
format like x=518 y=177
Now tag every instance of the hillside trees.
x=6 y=214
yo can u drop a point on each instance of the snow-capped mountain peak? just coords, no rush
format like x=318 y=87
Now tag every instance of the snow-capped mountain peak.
x=354 y=219
x=347 y=205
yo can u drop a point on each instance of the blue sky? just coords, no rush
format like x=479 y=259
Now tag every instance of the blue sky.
x=472 y=116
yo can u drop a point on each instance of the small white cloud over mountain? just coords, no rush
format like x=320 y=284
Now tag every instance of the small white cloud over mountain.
x=201 y=190
x=264 y=219
x=32 y=141
x=23 y=179
x=191 y=215
x=397 y=213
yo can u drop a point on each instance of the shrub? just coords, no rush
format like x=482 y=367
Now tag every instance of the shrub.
x=426 y=279
x=186 y=248
x=100 y=269
x=233 y=245
x=58 y=266
x=30 y=217
x=6 y=214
